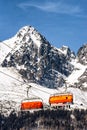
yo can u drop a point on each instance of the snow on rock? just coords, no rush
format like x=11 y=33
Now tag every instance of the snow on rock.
x=82 y=54
x=26 y=33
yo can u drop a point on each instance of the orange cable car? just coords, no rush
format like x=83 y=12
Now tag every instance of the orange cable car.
x=61 y=98
x=33 y=103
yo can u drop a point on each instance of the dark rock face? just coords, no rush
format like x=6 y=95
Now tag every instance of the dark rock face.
x=82 y=54
x=37 y=61
x=82 y=81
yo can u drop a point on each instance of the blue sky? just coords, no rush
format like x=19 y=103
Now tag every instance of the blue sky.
x=62 y=22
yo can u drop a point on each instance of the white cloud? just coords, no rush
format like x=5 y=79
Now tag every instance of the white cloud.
x=58 y=7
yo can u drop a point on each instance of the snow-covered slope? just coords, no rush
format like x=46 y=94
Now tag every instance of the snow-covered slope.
x=29 y=59
x=79 y=69
x=13 y=90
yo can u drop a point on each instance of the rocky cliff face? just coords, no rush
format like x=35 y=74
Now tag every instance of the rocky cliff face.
x=82 y=58
x=38 y=61
x=82 y=54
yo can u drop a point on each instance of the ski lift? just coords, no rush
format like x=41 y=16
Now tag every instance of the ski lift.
x=31 y=103
x=61 y=98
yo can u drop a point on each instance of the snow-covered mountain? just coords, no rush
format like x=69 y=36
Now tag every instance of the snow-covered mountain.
x=28 y=58
x=36 y=60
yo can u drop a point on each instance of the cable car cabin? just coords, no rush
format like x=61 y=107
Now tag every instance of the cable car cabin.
x=29 y=104
x=61 y=98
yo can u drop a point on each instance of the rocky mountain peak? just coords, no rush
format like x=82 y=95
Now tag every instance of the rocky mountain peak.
x=68 y=53
x=26 y=31
x=38 y=61
x=29 y=34
x=82 y=54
